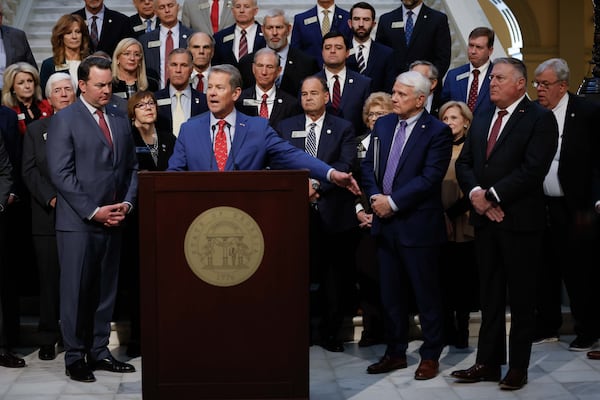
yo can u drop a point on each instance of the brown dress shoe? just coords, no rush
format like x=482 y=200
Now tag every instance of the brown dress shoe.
x=477 y=373
x=428 y=369
x=515 y=379
x=593 y=355
x=387 y=364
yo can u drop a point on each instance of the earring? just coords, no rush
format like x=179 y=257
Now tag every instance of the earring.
x=466 y=126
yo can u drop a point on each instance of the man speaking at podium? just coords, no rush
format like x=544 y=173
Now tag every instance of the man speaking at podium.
x=227 y=140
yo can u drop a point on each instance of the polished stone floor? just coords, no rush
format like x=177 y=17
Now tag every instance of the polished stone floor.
x=555 y=373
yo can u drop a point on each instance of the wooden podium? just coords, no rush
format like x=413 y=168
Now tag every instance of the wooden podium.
x=206 y=341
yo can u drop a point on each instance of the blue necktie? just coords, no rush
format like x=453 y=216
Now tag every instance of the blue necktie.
x=408 y=27
x=148 y=25
x=394 y=158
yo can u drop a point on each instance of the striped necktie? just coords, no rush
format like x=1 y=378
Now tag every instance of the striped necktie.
x=361 y=59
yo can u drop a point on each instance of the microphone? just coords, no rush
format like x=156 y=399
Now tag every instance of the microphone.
x=214 y=157
x=235 y=166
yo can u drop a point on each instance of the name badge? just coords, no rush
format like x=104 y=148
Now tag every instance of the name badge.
x=228 y=38
x=138 y=28
x=154 y=43
x=310 y=20
x=462 y=76
x=62 y=67
x=142 y=149
x=163 y=102
x=204 y=5
x=361 y=154
x=397 y=24
x=251 y=102
x=298 y=134
x=45 y=135
x=120 y=94
x=21 y=116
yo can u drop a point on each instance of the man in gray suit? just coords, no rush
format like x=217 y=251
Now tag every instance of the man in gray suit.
x=208 y=16
x=92 y=163
x=16 y=47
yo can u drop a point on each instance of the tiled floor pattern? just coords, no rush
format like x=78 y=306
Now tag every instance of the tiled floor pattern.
x=555 y=373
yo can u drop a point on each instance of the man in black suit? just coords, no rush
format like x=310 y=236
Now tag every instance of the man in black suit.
x=145 y=20
x=501 y=168
x=349 y=87
x=16 y=47
x=241 y=38
x=178 y=102
x=95 y=175
x=295 y=64
x=60 y=93
x=202 y=47
x=7 y=358
x=107 y=27
x=572 y=190
x=171 y=34
x=429 y=71
x=265 y=99
x=332 y=223
x=368 y=57
x=428 y=38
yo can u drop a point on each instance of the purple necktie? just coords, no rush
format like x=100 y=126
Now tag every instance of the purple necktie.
x=394 y=157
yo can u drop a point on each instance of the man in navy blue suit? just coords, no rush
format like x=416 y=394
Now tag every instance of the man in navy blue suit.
x=311 y=25
x=368 y=57
x=428 y=39
x=460 y=83
x=348 y=90
x=250 y=143
x=155 y=42
x=241 y=38
x=333 y=226
x=402 y=176
x=95 y=174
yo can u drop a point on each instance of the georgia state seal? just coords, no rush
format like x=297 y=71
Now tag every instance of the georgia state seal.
x=224 y=246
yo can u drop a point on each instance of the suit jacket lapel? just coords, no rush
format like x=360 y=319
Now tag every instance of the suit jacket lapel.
x=516 y=115
x=277 y=107
x=241 y=132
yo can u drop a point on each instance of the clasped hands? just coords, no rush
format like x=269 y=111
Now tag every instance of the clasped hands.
x=112 y=215
x=485 y=207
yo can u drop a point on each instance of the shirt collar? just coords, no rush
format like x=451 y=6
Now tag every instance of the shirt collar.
x=319 y=121
x=341 y=75
x=259 y=92
x=229 y=118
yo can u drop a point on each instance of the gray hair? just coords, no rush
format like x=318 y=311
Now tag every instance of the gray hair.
x=417 y=81
x=267 y=50
x=517 y=65
x=558 y=65
x=276 y=12
x=235 y=78
x=433 y=71
x=55 y=77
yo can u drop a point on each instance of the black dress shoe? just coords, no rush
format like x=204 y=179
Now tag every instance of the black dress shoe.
x=47 y=352
x=515 y=379
x=9 y=360
x=111 y=364
x=335 y=346
x=477 y=373
x=80 y=371
x=387 y=364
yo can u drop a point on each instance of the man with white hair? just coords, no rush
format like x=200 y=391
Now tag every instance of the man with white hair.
x=402 y=176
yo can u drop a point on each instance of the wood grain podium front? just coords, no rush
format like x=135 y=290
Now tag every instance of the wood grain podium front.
x=212 y=341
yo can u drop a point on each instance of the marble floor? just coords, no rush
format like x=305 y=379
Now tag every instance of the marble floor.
x=555 y=373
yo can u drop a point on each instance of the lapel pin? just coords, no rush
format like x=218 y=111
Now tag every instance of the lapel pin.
x=279 y=101
x=350 y=80
x=572 y=115
x=110 y=21
x=185 y=36
x=329 y=131
x=242 y=124
x=423 y=126
x=197 y=100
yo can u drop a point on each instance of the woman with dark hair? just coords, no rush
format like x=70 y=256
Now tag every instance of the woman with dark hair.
x=70 y=44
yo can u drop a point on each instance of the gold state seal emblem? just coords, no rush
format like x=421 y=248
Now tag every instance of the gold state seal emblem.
x=224 y=246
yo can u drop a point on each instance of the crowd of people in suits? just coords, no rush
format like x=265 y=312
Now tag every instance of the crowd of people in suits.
x=472 y=197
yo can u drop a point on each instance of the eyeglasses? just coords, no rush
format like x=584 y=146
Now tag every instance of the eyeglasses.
x=148 y=104
x=128 y=54
x=544 y=84
x=376 y=114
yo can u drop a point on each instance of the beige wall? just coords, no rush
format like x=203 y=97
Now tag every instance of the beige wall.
x=556 y=28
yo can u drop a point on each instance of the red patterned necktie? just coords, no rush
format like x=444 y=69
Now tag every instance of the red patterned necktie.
x=168 y=50
x=337 y=96
x=473 y=90
x=104 y=128
x=243 y=45
x=494 y=133
x=264 y=110
x=214 y=16
x=221 y=146
x=200 y=85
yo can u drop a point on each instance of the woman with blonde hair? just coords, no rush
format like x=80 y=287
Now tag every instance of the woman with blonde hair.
x=459 y=275
x=22 y=93
x=129 y=69
x=70 y=44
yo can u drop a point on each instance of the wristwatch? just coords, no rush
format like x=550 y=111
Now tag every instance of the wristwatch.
x=316 y=185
